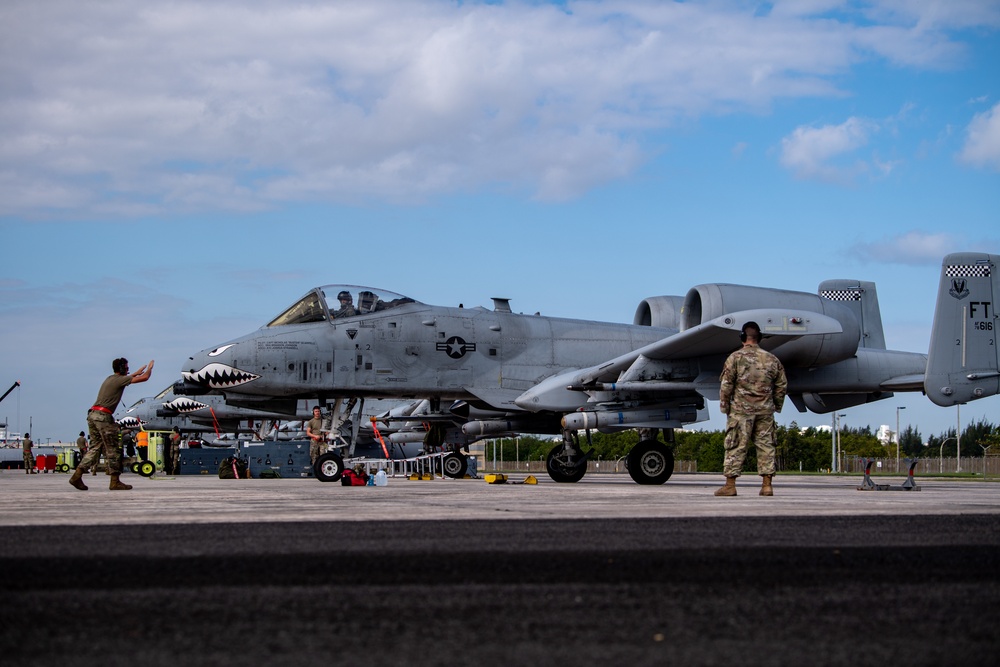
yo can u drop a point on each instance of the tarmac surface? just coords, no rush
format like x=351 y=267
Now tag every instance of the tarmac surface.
x=203 y=571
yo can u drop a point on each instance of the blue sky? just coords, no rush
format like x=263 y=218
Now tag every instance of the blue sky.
x=173 y=174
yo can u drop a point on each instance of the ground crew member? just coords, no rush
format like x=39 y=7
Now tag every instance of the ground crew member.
x=314 y=430
x=753 y=387
x=103 y=429
x=29 y=459
x=175 y=450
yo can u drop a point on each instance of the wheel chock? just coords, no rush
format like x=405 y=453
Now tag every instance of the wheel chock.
x=530 y=479
x=496 y=478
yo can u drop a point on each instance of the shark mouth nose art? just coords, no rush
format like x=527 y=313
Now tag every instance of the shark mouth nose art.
x=219 y=376
x=130 y=422
x=184 y=405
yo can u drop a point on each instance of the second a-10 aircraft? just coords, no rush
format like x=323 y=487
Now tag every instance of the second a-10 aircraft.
x=211 y=413
x=493 y=372
x=208 y=413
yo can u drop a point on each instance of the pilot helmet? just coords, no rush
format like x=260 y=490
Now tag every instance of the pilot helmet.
x=345 y=296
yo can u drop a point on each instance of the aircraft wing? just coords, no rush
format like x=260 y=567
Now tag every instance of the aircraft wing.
x=716 y=337
x=500 y=399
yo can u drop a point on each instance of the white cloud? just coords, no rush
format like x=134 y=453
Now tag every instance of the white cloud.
x=124 y=109
x=982 y=141
x=812 y=152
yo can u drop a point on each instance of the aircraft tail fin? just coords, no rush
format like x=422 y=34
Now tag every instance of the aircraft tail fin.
x=862 y=298
x=963 y=362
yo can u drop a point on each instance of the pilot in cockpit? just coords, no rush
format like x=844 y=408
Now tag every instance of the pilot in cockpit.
x=346 y=305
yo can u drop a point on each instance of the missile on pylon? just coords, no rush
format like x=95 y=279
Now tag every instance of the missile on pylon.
x=404 y=437
x=488 y=427
x=672 y=418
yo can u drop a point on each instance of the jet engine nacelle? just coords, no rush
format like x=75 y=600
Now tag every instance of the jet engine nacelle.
x=826 y=403
x=660 y=311
x=707 y=302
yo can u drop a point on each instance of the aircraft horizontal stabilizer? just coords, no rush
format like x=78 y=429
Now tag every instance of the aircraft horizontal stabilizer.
x=904 y=383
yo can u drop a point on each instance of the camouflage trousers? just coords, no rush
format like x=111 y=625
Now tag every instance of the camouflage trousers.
x=103 y=439
x=741 y=430
x=316 y=450
x=29 y=461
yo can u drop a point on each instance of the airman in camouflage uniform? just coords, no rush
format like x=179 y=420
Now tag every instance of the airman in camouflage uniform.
x=314 y=429
x=753 y=387
x=29 y=457
x=103 y=429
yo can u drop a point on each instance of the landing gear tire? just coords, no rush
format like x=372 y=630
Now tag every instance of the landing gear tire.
x=147 y=468
x=560 y=469
x=455 y=465
x=329 y=467
x=650 y=462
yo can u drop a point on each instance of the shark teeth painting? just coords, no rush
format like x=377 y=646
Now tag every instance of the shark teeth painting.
x=220 y=376
x=185 y=405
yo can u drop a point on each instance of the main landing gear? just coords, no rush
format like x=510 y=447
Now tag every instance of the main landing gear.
x=650 y=462
x=566 y=462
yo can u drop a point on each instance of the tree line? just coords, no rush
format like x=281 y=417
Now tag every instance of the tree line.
x=807 y=449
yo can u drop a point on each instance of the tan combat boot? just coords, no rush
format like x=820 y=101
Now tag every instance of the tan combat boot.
x=117 y=484
x=765 y=487
x=76 y=480
x=729 y=489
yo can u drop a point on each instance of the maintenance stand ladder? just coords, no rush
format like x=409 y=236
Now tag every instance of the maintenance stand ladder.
x=909 y=485
x=425 y=466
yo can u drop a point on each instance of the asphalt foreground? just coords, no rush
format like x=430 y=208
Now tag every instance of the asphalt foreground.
x=203 y=571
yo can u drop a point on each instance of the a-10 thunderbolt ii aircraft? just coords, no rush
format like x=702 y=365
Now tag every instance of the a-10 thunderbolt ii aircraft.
x=493 y=372
x=211 y=413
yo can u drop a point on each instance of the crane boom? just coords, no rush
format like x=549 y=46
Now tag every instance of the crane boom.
x=12 y=388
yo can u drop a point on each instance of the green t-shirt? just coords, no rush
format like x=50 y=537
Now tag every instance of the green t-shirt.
x=110 y=394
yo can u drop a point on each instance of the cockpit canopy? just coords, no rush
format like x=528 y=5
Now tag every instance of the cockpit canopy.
x=334 y=302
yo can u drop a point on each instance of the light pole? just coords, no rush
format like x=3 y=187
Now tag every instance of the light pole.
x=941 y=454
x=836 y=418
x=833 y=444
x=958 y=437
x=898 y=408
